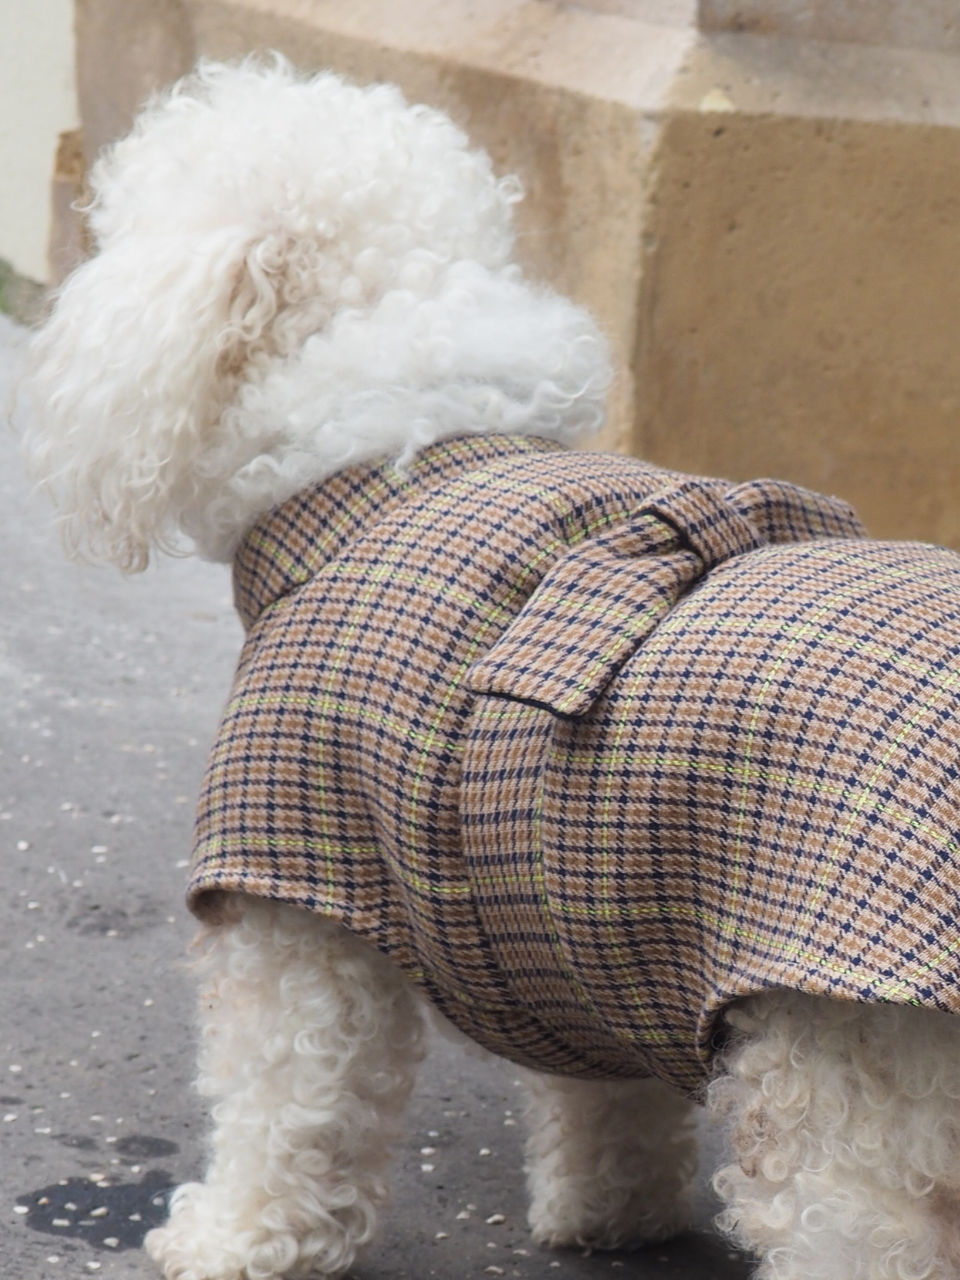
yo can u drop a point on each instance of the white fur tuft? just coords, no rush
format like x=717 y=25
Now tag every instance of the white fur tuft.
x=292 y=275
x=845 y=1122
x=609 y=1162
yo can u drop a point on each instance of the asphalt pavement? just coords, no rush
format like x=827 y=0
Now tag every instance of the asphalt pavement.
x=110 y=692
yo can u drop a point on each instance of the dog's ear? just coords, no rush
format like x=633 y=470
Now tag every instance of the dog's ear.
x=130 y=375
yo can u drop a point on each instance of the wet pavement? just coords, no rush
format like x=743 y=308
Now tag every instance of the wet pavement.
x=110 y=691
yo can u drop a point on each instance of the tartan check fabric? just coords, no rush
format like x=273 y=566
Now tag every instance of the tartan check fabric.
x=591 y=748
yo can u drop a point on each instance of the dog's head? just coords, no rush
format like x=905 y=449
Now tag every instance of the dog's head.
x=292 y=274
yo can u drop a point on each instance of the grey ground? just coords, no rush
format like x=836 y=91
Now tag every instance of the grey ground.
x=110 y=690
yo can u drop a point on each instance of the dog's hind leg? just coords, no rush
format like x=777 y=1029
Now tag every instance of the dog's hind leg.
x=845 y=1121
x=310 y=1043
x=609 y=1163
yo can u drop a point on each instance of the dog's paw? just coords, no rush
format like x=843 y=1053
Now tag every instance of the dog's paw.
x=214 y=1235
x=198 y=1241
x=571 y=1218
x=206 y=1239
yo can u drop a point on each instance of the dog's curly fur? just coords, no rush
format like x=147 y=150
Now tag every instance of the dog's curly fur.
x=293 y=275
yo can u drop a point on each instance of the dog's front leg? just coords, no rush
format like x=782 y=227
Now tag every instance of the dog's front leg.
x=609 y=1163
x=310 y=1042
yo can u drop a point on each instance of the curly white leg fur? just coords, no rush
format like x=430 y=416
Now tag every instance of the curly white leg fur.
x=609 y=1163
x=846 y=1123
x=310 y=1042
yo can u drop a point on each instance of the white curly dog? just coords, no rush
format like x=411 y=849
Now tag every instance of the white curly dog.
x=294 y=275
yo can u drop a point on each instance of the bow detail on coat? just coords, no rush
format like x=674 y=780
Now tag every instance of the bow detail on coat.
x=605 y=595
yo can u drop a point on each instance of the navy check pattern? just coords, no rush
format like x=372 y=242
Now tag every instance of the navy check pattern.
x=591 y=748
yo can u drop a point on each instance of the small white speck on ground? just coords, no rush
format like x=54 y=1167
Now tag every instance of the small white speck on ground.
x=147 y=1004
x=485 y=1151
x=93 y=1266
x=442 y=1235
x=20 y=1209
x=495 y=1219
x=23 y=845
x=462 y=1215
x=100 y=1212
x=53 y=1257
x=427 y=1168
x=111 y=1242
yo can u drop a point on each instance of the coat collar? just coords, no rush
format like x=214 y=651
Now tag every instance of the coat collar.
x=288 y=546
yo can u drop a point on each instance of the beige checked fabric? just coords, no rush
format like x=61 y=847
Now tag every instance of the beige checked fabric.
x=591 y=748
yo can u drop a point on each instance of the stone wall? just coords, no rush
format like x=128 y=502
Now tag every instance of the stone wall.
x=760 y=200
x=37 y=103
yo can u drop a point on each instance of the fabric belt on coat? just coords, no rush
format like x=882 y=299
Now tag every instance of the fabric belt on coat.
x=602 y=598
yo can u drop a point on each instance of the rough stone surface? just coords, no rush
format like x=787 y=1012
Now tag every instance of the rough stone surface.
x=924 y=24
x=125 y=50
x=111 y=689
x=800 y=319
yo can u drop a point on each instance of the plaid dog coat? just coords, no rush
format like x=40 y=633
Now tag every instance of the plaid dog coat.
x=591 y=748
